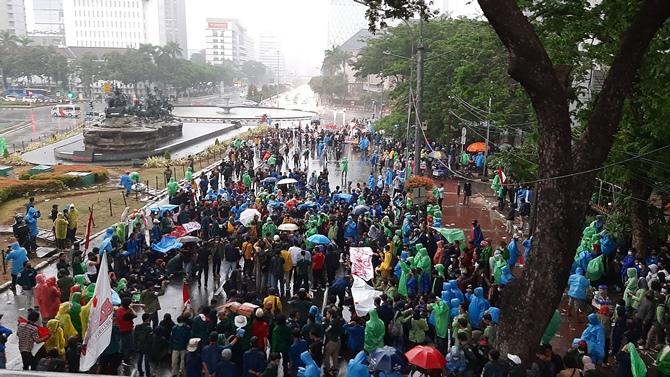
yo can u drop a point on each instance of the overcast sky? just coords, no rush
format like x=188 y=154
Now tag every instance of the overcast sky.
x=302 y=24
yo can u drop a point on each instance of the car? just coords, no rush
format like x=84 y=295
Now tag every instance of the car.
x=29 y=99
x=11 y=98
x=248 y=102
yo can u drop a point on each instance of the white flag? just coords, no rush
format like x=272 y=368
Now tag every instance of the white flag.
x=99 y=332
x=364 y=296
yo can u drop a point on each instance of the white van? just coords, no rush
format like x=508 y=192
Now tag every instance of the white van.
x=66 y=111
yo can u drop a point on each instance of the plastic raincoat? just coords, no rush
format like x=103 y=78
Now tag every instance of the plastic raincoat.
x=552 y=328
x=454 y=304
x=455 y=292
x=189 y=174
x=310 y=369
x=478 y=305
x=357 y=366
x=513 y=252
x=631 y=286
x=172 y=187
x=374 y=332
x=455 y=361
x=57 y=339
x=75 y=312
x=39 y=288
x=350 y=229
x=268 y=228
x=73 y=216
x=31 y=220
x=83 y=315
x=505 y=275
x=18 y=256
x=594 y=336
x=88 y=292
x=344 y=164
x=578 y=284
x=65 y=320
x=498 y=264
x=60 y=226
x=50 y=301
x=126 y=182
x=106 y=244
x=441 y=312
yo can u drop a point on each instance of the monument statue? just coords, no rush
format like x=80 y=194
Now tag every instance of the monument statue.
x=119 y=105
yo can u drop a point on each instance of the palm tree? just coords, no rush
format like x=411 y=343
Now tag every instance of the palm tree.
x=8 y=39
x=173 y=49
x=335 y=60
x=23 y=40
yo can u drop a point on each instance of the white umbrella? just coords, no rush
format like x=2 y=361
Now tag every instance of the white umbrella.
x=247 y=215
x=188 y=239
x=287 y=181
x=288 y=227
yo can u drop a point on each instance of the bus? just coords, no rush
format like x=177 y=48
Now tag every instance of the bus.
x=66 y=111
x=27 y=92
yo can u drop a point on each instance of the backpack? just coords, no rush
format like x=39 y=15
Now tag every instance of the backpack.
x=277 y=266
x=394 y=327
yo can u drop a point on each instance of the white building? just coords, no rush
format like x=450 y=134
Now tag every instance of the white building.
x=345 y=19
x=270 y=54
x=124 y=23
x=45 y=22
x=227 y=40
x=13 y=16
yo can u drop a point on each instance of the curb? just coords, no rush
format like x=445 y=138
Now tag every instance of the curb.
x=15 y=126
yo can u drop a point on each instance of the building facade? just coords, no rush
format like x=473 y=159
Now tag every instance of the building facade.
x=270 y=54
x=45 y=22
x=124 y=23
x=13 y=16
x=227 y=40
x=345 y=19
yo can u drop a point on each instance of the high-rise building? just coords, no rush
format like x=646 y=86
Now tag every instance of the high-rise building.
x=270 y=54
x=13 y=16
x=345 y=19
x=45 y=23
x=227 y=40
x=124 y=23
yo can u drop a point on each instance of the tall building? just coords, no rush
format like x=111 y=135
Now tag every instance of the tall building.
x=270 y=54
x=227 y=40
x=13 y=16
x=345 y=19
x=45 y=22
x=124 y=23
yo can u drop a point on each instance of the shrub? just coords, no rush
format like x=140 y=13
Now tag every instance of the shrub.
x=67 y=180
x=166 y=155
x=12 y=188
x=419 y=181
x=5 y=153
x=24 y=177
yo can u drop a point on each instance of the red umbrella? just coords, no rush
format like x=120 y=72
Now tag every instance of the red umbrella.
x=477 y=147
x=426 y=357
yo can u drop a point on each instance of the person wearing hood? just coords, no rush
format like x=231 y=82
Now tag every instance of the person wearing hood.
x=631 y=289
x=173 y=187
x=514 y=253
x=75 y=311
x=371 y=181
x=106 y=244
x=594 y=336
x=310 y=369
x=476 y=234
x=438 y=281
x=552 y=328
x=578 y=284
x=60 y=230
x=27 y=279
x=652 y=275
x=57 y=339
x=127 y=183
x=50 y=300
x=350 y=229
x=31 y=220
x=375 y=330
x=505 y=275
x=441 y=317
x=357 y=366
x=389 y=178
x=268 y=228
x=65 y=320
x=17 y=256
x=479 y=160
x=455 y=362
x=478 y=305
x=72 y=217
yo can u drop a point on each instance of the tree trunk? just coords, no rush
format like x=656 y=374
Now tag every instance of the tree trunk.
x=639 y=214
x=566 y=173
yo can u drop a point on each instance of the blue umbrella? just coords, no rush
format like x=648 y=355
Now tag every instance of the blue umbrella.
x=387 y=359
x=270 y=180
x=359 y=210
x=163 y=208
x=319 y=239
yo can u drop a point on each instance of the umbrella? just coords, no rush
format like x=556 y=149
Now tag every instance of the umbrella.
x=359 y=210
x=438 y=155
x=387 y=359
x=270 y=180
x=426 y=357
x=247 y=215
x=318 y=239
x=163 y=208
x=476 y=147
x=188 y=239
x=287 y=181
x=288 y=227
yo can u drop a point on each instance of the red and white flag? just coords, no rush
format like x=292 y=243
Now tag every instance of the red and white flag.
x=501 y=175
x=88 y=228
x=185 y=295
x=99 y=332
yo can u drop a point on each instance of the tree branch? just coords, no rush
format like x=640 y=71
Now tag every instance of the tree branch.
x=595 y=142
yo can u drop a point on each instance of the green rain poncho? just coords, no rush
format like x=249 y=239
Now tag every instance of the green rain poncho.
x=120 y=231
x=272 y=160
x=552 y=328
x=88 y=294
x=345 y=164
x=487 y=252
x=397 y=242
x=189 y=174
x=121 y=285
x=246 y=179
x=310 y=232
x=631 y=286
x=172 y=187
x=465 y=158
x=374 y=332
x=441 y=318
x=637 y=365
x=663 y=360
x=402 y=283
x=440 y=270
x=135 y=176
x=495 y=185
x=75 y=309
x=422 y=260
x=498 y=264
x=268 y=228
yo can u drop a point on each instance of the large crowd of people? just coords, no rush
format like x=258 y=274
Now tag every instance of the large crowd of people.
x=269 y=236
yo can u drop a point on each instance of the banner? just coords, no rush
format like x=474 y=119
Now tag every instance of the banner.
x=361 y=262
x=192 y=226
x=364 y=296
x=99 y=332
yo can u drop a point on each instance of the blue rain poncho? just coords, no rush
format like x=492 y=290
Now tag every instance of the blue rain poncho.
x=594 y=336
x=578 y=284
x=478 y=305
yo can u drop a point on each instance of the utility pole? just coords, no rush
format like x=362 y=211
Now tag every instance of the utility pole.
x=420 y=59
x=486 y=144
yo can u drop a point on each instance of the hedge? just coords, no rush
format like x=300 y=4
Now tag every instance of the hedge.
x=60 y=173
x=12 y=188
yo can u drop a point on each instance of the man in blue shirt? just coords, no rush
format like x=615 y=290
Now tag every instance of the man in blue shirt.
x=298 y=347
x=356 y=333
x=211 y=353
x=254 y=360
